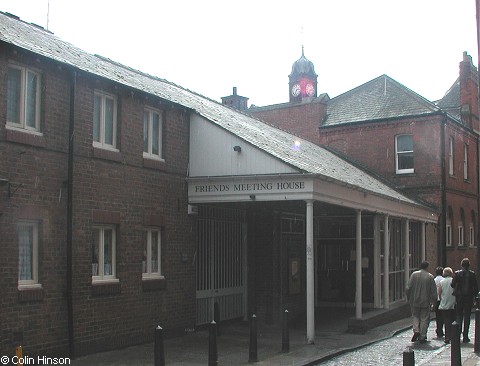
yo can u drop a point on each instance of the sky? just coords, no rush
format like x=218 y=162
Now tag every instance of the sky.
x=211 y=46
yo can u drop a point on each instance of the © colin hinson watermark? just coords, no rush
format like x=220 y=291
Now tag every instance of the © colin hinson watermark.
x=40 y=360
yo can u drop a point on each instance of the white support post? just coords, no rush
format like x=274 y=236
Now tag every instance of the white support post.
x=358 y=267
x=310 y=276
x=422 y=242
x=386 y=265
x=377 y=279
x=406 y=249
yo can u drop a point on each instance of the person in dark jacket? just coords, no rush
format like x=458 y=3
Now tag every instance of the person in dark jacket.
x=465 y=289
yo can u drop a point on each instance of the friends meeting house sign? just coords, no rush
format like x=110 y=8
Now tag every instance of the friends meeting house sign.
x=247 y=190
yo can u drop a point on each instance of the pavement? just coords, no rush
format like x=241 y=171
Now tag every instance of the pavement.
x=331 y=339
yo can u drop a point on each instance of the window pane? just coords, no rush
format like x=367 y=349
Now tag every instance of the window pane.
x=144 y=259
x=145 y=131
x=13 y=95
x=108 y=121
x=405 y=161
x=96 y=118
x=108 y=252
x=95 y=243
x=155 y=134
x=404 y=143
x=31 y=100
x=25 y=255
x=154 y=247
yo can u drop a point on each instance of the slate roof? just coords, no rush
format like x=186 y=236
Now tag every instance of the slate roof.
x=309 y=158
x=451 y=100
x=380 y=98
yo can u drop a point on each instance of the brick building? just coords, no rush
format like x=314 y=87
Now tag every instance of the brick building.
x=127 y=202
x=427 y=150
x=92 y=202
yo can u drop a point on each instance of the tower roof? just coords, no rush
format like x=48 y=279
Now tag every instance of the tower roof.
x=303 y=66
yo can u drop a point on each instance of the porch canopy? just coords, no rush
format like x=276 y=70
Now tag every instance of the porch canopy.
x=238 y=158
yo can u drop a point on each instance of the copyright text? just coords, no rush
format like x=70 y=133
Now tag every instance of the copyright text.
x=40 y=360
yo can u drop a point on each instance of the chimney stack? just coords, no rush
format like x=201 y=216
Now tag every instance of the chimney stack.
x=469 y=92
x=235 y=101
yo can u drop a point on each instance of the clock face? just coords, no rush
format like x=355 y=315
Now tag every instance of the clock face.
x=296 y=90
x=310 y=89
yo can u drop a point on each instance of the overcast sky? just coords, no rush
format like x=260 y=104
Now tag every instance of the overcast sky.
x=210 y=46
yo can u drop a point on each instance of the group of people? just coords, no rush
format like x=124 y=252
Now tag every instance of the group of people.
x=452 y=295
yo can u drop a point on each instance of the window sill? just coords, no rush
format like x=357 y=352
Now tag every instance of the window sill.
x=30 y=293
x=106 y=287
x=158 y=164
x=25 y=137
x=406 y=172
x=154 y=284
x=101 y=153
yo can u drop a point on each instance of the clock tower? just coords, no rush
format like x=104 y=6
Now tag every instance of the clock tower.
x=302 y=80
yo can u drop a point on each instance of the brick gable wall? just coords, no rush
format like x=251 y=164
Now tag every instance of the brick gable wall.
x=302 y=120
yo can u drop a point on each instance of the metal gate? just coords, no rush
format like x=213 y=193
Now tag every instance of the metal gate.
x=221 y=259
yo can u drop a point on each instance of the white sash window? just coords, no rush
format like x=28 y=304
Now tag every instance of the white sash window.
x=23 y=98
x=152 y=134
x=105 y=121
x=27 y=253
x=151 y=263
x=104 y=253
x=404 y=154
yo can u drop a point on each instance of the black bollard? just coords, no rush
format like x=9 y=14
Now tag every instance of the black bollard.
x=252 y=354
x=285 y=333
x=408 y=357
x=159 y=352
x=455 y=353
x=216 y=316
x=212 y=344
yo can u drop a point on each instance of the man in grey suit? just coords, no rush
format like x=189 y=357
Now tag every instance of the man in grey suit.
x=421 y=295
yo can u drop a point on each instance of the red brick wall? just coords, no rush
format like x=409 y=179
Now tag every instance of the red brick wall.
x=378 y=155
x=462 y=194
x=302 y=120
x=139 y=195
x=373 y=145
x=36 y=167
x=118 y=187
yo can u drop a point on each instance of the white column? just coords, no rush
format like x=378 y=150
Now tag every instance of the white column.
x=386 y=265
x=310 y=276
x=406 y=249
x=377 y=279
x=422 y=242
x=358 y=267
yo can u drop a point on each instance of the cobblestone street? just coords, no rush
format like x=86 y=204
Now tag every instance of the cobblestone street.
x=390 y=351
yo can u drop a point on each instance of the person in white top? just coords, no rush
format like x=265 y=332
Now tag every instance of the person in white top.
x=438 y=314
x=447 y=302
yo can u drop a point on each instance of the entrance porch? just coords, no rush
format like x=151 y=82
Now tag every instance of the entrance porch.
x=265 y=252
